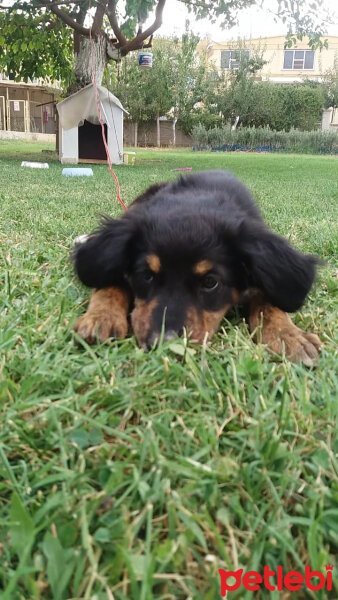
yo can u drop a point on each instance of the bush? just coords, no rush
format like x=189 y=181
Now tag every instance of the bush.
x=280 y=106
x=208 y=119
x=264 y=139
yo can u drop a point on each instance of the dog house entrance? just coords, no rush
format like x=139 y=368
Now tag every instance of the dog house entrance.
x=91 y=144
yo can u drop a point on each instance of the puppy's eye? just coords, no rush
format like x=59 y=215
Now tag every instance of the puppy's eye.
x=209 y=283
x=148 y=276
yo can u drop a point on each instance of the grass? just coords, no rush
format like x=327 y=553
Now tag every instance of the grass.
x=137 y=476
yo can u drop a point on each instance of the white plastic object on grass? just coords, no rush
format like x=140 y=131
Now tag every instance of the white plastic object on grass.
x=79 y=172
x=34 y=165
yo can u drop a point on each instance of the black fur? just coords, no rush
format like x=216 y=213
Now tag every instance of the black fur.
x=208 y=215
x=103 y=259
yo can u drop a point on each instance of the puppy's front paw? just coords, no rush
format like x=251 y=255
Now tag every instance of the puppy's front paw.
x=299 y=346
x=99 y=327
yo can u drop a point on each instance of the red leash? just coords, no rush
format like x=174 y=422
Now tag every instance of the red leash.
x=110 y=169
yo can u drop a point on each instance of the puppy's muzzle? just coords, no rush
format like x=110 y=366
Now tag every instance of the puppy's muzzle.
x=155 y=337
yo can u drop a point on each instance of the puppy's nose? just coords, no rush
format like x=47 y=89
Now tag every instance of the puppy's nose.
x=170 y=335
x=155 y=337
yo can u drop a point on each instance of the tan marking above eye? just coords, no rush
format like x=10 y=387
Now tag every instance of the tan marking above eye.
x=202 y=267
x=154 y=263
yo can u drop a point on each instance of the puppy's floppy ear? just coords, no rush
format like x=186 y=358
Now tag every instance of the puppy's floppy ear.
x=283 y=274
x=102 y=260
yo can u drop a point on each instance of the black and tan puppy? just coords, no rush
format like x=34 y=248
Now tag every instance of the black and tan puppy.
x=182 y=255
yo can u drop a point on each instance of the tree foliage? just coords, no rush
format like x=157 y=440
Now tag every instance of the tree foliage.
x=180 y=85
x=244 y=100
x=330 y=83
x=36 y=35
x=177 y=82
x=144 y=92
x=280 y=106
x=35 y=45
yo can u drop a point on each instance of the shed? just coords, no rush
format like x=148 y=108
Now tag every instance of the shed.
x=80 y=135
x=27 y=107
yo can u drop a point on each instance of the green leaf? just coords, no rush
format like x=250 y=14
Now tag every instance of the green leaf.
x=143 y=489
x=194 y=528
x=102 y=535
x=21 y=529
x=60 y=565
x=180 y=349
x=223 y=516
x=139 y=564
x=80 y=438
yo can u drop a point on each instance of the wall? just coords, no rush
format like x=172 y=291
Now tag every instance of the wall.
x=21 y=135
x=147 y=134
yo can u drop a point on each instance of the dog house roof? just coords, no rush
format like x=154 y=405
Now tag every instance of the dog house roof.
x=81 y=106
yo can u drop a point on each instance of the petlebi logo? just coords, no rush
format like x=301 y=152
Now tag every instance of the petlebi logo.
x=276 y=580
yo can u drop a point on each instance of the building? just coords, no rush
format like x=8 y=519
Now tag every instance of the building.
x=283 y=65
x=26 y=107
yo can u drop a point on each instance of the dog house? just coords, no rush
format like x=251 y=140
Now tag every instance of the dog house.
x=80 y=134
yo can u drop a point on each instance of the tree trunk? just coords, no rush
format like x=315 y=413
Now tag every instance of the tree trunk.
x=234 y=126
x=84 y=61
x=158 y=131
x=174 y=130
x=135 y=133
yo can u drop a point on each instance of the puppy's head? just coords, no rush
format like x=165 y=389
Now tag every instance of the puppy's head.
x=176 y=267
x=187 y=262
x=181 y=278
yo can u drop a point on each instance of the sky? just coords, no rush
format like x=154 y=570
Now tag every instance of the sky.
x=253 y=23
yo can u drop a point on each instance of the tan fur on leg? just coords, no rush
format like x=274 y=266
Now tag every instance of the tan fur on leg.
x=106 y=316
x=275 y=328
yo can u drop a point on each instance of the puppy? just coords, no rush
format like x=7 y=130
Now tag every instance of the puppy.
x=183 y=254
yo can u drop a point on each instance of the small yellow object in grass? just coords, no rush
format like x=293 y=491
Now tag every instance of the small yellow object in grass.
x=129 y=158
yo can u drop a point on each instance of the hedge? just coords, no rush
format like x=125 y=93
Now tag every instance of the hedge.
x=264 y=139
x=279 y=106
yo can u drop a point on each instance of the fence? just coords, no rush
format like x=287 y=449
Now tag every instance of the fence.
x=147 y=134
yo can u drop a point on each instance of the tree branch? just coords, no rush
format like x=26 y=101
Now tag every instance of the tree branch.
x=98 y=18
x=66 y=18
x=81 y=15
x=138 y=42
x=157 y=21
x=43 y=4
x=149 y=43
x=62 y=3
x=111 y=14
x=201 y=4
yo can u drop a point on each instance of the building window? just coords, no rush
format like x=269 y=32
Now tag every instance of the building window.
x=298 y=60
x=231 y=59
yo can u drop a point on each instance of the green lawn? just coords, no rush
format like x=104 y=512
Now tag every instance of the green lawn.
x=137 y=476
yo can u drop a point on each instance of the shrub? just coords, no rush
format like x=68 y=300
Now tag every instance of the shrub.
x=281 y=106
x=264 y=139
x=208 y=119
x=200 y=134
